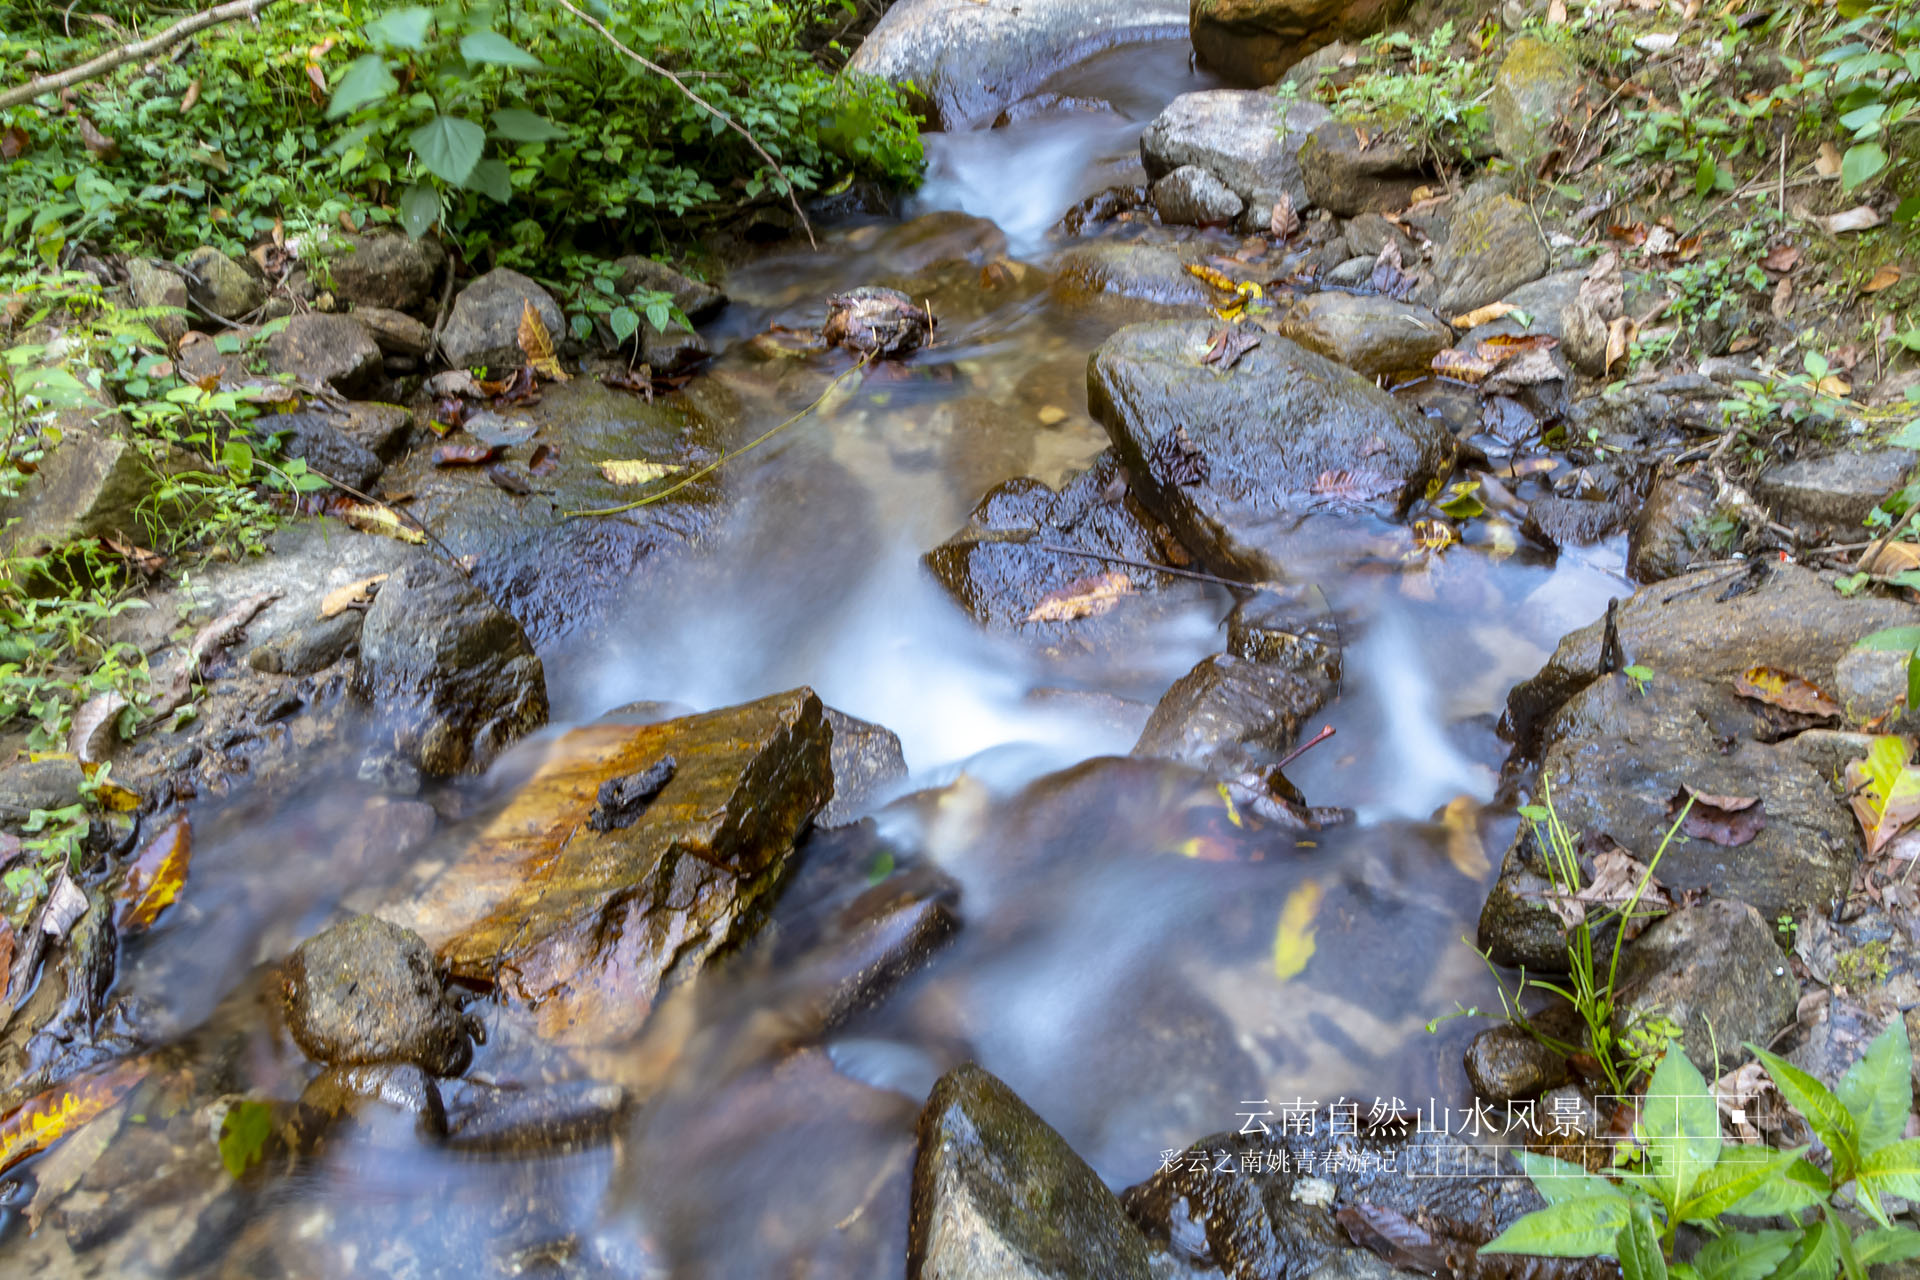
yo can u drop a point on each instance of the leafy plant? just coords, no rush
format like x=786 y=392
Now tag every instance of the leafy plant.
x=1682 y=1173
x=1417 y=84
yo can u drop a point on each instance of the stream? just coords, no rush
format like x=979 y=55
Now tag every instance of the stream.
x=1128 y=993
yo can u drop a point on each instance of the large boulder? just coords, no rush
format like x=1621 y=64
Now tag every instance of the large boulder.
x=1348 y=170
x=1249 y=140
x=699 y=301
x=1670 y=531
x=1240 y=462
x=221 y=285
x=1833 y=493
x=998 y=1195
x=1716 y=972
x=93 y=484
x=1190 y=196
x=969 y=59
x=1536 y=86
x=1492 y=248
x=1252 y=42
x=316 y=437
x=326 y=351
x=157 y=285
x=484 y=326
x=585 y=908
x=381 y=269
x=1119 y=270
x=451 y=674
x=1367 y=333
x=367 y=991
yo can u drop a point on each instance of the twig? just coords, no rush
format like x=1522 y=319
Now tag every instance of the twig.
x=134 y=52
x=715 y=465
x=1195 y=574
x=1326 y=731
x=704 y=105
x=440 y=317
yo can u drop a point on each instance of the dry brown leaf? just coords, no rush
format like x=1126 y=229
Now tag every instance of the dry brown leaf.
x=1885 y=278
x=1785 y=690
x=190 y=97
x=1285 y=221
x=1463 y=366
x=625 y=471
x=95 y=141
x=368 y=518
x=537 y=344
x=1827 y=163
x=1782 y=305
x=1483 y=315
x=1218 y=280
x=1728 y=821
x=1781 y=258
x=1894 y=557
x=1617 y=874
x=351 y=596
x=1082 y=598
x=92 y=735
x=1228 y=344
x=1620 y=334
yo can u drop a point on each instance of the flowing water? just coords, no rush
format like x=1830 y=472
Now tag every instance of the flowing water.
x=1128 y=992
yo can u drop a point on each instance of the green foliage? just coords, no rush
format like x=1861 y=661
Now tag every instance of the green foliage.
x=1683 y=1173
x=1420 y=86
x=51 y=655
x=1866 y=80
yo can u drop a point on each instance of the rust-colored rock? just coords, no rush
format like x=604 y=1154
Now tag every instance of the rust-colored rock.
x=589 y=926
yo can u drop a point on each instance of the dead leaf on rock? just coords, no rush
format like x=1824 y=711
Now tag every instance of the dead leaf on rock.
x=1894 y=557
x=1729 y=821
x=1228 y=344
x=543 y=459
x=1462 y=366
x=537 y=344
x=1392 y=1236
x=1785 y=690
x=155 y=878
x=464 y=455
x=93 y=732
x=6 y=953
x=1782 y=304
x=385 y=521
x=625 y=471
x=351 y=596
x=1082 y=598
x=1388 y=276
x=1483 y=315
x=1620 y=332
x=1860 y=218
x=1617 y=877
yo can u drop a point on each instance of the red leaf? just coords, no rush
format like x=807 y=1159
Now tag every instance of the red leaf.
x=463 y=455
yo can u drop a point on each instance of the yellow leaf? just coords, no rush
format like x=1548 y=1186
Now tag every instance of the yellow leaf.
x=1233 y=810
x=1218 y=279
x=1833 y=386
x=634 y=470
x=1293 y=941
x=115 y=798
x=1483 y=315
x=371 y=519
x=1468 y=855
x=1082 y=598
x=1885 y=278
x=155 y=878
x=537 y=343
x=44 y=1119
x=341 y=599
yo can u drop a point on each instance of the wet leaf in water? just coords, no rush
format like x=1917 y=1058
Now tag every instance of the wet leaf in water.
x=351 y=596
x=1293 y=940
x=1465 y=850
x=1482 y=315
x=1462 y=500
x=243 y=1134
x=1353 y=488
x=625 y=471
x=1394 y=1237
x=1729 y=821
x=543 y=459
x=537 y=344
x=382 y=520
x=43 y=1120
x=1082 y=598
x=463 y=455
x=1785 y=690
x=1883 y=792
x=1217 y=279
x=155 y=878
x=1431 y=535
x=1228 y=344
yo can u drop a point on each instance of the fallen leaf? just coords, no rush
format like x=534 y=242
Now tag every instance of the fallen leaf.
x=1619 y=338
x=1860 y=218
x=191 y=96
x=543 y=459
x=67 y=1163
x=65 y=904
x=1634 y=234
x=1390 y=1234
x=45 y=1118
x=537 y=344
x=1882 y=791
x=351 y=596
x=1885 y=278
x=1465 y=850
x=1388 y=276
x=114 y=798
x=1894 y=557
x=93 y=732
x=1782 y=304
x=464 y=455
x=6 y=953
x=1216 y=279
x=95 y=141
x=1082 y=598
x=508 y=482
x=1285 y=220
x=1293 y=939
x=1617 y=877
x=1463 y=366
x=1431 y=535
x=382 y=520
x=13 y=142
x=1781 y=258
x=1228 y=344
x=1827 y=163
x=139 y=557
x=1483 y=315
x=1834 y=386
x=1729 y=821
x=1785 y=690
x=1354 y=486
x=155 y=877
x=625 y=471
x=1557 y=13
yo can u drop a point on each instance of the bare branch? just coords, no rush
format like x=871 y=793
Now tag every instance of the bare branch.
x=133 y=52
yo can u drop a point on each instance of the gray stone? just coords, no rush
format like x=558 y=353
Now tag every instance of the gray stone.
x=1492 y=249
x=38 y=784
x=395 y=332
x=366 y=991
x=1353 y=273
x=382 y=428
x=1228 y=459
x=1230 y=714
x=221 y=285
x=998 y=1195
x=1190 y=196
x=866 y=757
x=671 y=350
x=329 y=451
x=484 y=325
x=1837 y=491
x=1536 y=86
x=1505 y=1063
x=1307 y=72
x=970 y=59
x=452 y=675
x=1367 y=333
x=1571 y=522
x=154 y=284
x=307 y=649
x=382 y=269
x=1347 y=173
x=1668 y=535
x=1718 y=973
x=1252 y=42
x=325 y=350
x=1368 y=233
x=1249 y=140
x=92 y=484
x=699 y=301
x=1123 y=270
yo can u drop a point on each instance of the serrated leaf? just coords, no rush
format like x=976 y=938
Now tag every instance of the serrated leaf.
x=493 y=49
x=402 y=28
x=1739 y=1172
x=1877 y=1091
x=537 y=344
x=1821 y=1109
x=419 y=209
x=1894 y=1168
x=1680 y=1125
x=491 y=179
x=1577 y=1228
x=1557 y=1180
x=1800 y=1186
x=516 y=125
x=1861 y=163
x=1813 y=1258
x=367 y=80
x=449 y=147
x=1887 y=1244
x=1638 y=1247
x=1744 y=1255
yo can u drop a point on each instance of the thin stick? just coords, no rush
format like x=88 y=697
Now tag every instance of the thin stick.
x=715 y=465
x=133 y=52
x=1326 y=731
x=704 y=105
x=1195 y=574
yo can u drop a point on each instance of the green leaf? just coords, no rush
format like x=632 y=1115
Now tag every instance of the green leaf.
x=1887 y=1244
x=1894 y=1168
x=1913 y=678
x=1740 y=1171
x=1744 y=1255
x=1822 y=1110
x=1861 y=163
x=1814 y=1258
x=449 y=146
x=1581 y=1228
x=1705 y=176
x=237 y=457
x=1680 y=1126
x=516 y=125
x=1877 y=1091
x=1843 y=1244
x=660 y=315
x=494 y=49
x=491 y=179
x=367 y=80
x=1801 y=1186
x=1638 y=1248
x=1892 y=639
x=243 y=1134
x=402 y=29
x=419 y=209
x=624 y=322
x=1558 y=1181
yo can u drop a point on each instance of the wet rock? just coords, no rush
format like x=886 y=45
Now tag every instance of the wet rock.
x=564 y=1116
x=1492 y=249
x=395 y=332
x=307 y=649
x=328 y=450
x=1870 y=684
x=1368 y=233
x=62 y=1024
x=1252 y=42
x=1505 y=1063
x=348 y=1094
x=1872 y=961
x=697 y=300
x=1571 y=522
x=221 y=285
x=366 y=991
x=1717 y=972
x=1535 y=87
x=484 y=325
x=941 y=238
x=1115 y=269
x=997 y=1193
x=1190 y=196
x=1836 y=492
x=969 y=60
x=1369 y=334
x=674 y=349
x=382 y=269
x=325 y=350
x=453 y=675
x=588 y=927
x=153 y=284
x=1669 y=534
x=1347 y=174
x=1248 y=140
x=866 y=757
x=381 y=428
x=1351 y=273
x=1229 y=459
x=1229 y=714
x=38 y=784
x=93 y=484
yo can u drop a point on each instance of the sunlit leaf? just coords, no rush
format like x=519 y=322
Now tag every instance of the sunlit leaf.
x=45 y=1118
x=1293 y=940
x=155 y=878
x=537 y=344
x=625 y=471
x=1578 y=1228
x=1082 y=598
